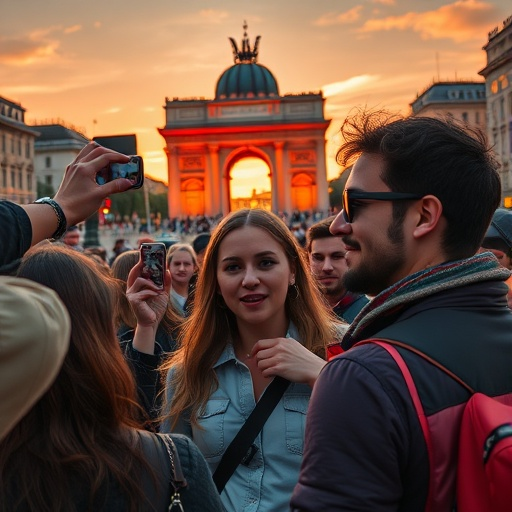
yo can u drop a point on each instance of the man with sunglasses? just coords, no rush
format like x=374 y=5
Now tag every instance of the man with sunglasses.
x=416 y=207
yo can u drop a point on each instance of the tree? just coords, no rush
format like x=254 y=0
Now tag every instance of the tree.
x=336 y=188
x=44 y=189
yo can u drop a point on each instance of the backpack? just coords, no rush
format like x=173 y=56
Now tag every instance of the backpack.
x=484 y=472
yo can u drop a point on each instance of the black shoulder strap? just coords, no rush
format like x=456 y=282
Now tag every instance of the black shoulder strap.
x=238 y=448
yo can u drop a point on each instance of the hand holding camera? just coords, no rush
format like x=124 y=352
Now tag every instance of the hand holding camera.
x=79 y=194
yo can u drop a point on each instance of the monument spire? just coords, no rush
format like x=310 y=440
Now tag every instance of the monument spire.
x=246 y=55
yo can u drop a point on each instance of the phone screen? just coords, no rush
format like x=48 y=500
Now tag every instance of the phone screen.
x=153 y=259
x=132 y=170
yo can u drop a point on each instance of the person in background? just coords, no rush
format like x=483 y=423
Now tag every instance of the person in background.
x=258 y=315
x=81 y=446
x=416 y=207
x=72 y=238
x=327 y=261
x=199 y=244
x=120 y=246
x=498 y=238
x=99 y=254
x=182 y=263
x=144 y=240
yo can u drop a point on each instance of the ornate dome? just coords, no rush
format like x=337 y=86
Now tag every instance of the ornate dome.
x=247 y=78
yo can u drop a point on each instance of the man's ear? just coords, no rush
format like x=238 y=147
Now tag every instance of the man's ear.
x=429 y=210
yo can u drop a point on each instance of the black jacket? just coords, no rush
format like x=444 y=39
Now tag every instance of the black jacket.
x=364 y=448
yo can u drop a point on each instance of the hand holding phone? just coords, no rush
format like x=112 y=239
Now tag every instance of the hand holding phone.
x=153 y=257
x=132 y=170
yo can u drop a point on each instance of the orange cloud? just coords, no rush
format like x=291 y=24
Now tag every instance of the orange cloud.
x=74 y=28
x=330 y=18
x=460 y=21
x=25 y=51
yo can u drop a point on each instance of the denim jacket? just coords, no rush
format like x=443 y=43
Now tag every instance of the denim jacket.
x=267 y=481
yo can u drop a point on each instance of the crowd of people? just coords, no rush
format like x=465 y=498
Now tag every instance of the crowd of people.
x=249 y=377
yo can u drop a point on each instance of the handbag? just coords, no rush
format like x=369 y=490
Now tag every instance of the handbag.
x=177 y=478
x=238 y=449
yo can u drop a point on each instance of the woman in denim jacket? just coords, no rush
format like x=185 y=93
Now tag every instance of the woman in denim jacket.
x=257 y=314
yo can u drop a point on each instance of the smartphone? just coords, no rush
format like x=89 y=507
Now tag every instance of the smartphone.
x=132 y=170
x=153 y=260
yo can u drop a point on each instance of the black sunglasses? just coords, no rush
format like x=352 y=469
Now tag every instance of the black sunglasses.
x=349 y=196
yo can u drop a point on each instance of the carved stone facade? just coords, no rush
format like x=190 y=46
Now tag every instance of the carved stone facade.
x=498 y=82
x=17 y=181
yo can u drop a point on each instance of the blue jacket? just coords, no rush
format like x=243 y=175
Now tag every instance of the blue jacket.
x=266 y=483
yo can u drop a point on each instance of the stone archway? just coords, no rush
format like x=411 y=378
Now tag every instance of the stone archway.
x=252 y=198
x=248 y=117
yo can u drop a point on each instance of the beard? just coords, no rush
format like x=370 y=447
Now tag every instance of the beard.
x=335 y=290
x=375 y=272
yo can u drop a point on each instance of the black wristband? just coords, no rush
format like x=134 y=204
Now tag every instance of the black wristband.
x=61 y=218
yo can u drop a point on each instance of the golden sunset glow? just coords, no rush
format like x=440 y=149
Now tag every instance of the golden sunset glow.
x=107 y=67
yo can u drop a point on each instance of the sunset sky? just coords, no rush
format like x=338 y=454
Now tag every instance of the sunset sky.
x=107 y=66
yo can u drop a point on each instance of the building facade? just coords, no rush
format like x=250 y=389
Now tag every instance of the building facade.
x=55 y=148
x=498 y=82
x=17 y=180
x=248 y=118
x=462 y=100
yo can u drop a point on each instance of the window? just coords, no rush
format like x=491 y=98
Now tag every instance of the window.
x=48 y=179
x=13 y=179
x=29 y=181
x=19 y=147
x=27 y=149
x=48 y=162
x=4 y=143
x=465 y=117
x=4 y=178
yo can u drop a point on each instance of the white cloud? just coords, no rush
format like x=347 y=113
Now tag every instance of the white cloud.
x=352 y=84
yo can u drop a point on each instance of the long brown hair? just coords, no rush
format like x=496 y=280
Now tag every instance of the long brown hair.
x=79 y=434
x=120 y=269
x=208 y=329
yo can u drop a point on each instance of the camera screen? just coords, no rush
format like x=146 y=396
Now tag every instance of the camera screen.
x=132 y=170
x=129 y=171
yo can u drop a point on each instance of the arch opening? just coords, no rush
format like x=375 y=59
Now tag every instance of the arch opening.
x=249 y=184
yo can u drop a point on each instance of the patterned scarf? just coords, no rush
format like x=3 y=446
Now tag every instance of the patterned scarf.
x=479 y=268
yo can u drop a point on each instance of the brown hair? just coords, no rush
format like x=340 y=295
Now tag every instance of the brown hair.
x=206 y=332
x=78 y=434
x=319 y=230
x=120 y=269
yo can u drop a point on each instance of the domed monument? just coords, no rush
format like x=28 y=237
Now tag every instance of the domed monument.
x=246 y=78
x=248 y=118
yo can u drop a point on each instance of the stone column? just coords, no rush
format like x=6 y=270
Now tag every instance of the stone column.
x=213 y=186
x=321 y=177
x=278 y=183
x=174 y=193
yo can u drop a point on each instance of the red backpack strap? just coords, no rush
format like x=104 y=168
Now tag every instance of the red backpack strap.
x=393 y=352
x=437 y=364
